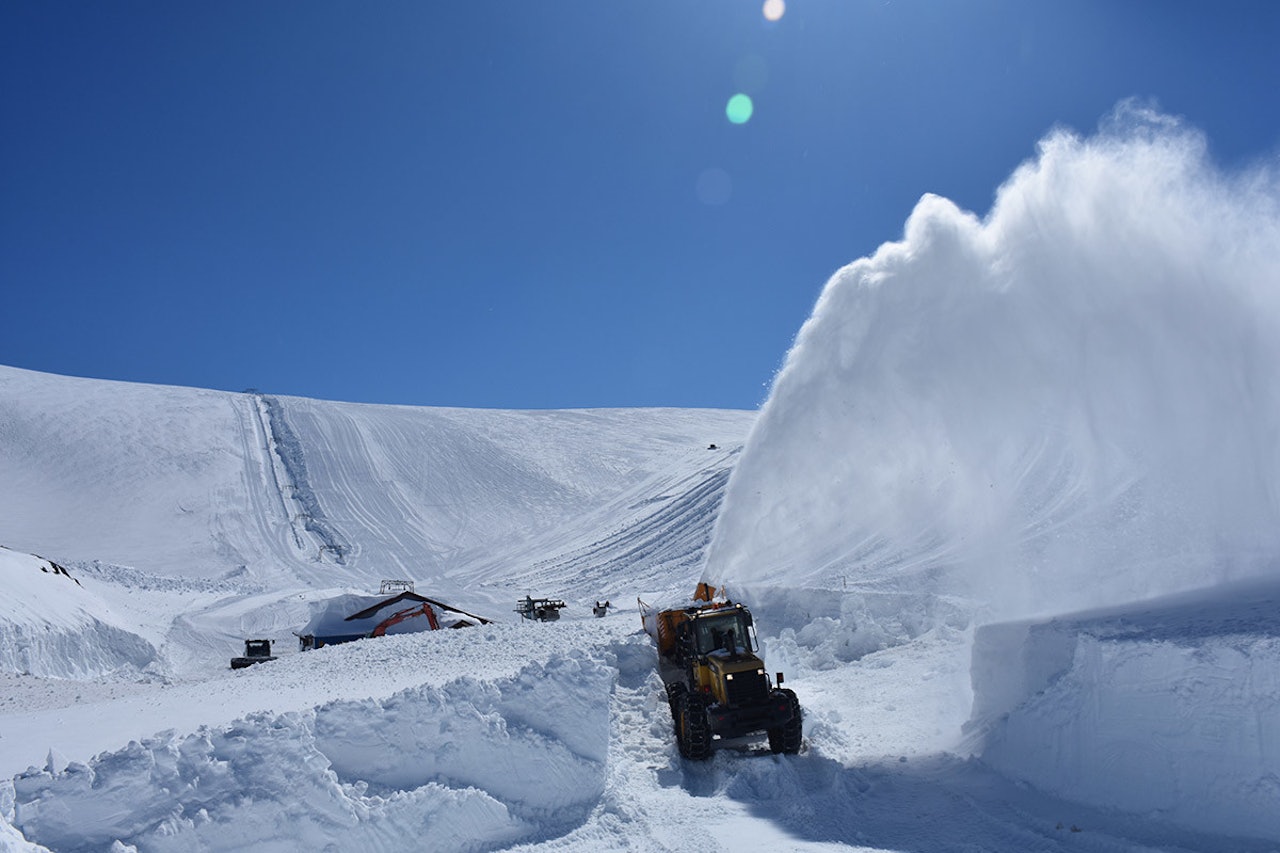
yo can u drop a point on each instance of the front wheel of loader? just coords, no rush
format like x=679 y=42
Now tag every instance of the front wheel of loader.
x=787 y=737
x=675 y=690
x=694 y=732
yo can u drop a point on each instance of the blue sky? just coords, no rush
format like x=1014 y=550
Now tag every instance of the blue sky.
x=531 y=205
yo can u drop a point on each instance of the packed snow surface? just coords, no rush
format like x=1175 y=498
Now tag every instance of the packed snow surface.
x=1007 y=524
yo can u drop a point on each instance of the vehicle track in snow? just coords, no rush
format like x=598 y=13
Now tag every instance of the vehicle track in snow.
x=669 y=527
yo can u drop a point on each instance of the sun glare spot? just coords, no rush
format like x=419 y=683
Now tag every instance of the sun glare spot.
x=774 y=9
x=739 y=108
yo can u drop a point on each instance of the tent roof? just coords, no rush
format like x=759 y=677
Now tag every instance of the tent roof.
x=351 y=613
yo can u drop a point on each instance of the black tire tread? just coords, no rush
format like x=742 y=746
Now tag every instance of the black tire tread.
x=694 y=732
x=788 y=737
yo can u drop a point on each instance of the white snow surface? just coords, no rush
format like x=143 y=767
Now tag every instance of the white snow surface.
x=1006 y=523
x=52 y=625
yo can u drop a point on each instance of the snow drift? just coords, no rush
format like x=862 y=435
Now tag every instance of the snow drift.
x=51 y=625
x=463 y=766
x=1066 y=404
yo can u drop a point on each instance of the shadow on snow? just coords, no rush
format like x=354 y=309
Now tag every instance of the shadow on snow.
x=930 y=804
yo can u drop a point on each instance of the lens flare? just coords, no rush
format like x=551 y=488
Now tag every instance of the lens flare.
x=774 y=9
x=739 y=108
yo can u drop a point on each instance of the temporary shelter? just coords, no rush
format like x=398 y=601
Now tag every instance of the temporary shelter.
x=353 y=617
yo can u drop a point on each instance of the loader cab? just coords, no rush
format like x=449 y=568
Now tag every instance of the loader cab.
x=728 y=631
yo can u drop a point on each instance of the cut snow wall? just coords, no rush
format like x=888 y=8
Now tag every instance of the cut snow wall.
x=52 y=625
x=1147 y=711
x=90 y=650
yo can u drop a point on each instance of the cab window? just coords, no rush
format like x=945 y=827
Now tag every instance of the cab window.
x=716 y=632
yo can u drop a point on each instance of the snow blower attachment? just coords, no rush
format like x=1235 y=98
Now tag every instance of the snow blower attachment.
x=717 y=687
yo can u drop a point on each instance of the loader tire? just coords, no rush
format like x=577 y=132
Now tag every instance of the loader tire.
x=675 y=690
x=787 y=737
x=694 y=732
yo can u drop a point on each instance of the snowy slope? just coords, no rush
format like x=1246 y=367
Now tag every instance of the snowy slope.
x=122 y=473
x=184 y=483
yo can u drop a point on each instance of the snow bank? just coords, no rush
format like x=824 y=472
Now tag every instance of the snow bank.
x=819 y=629
x=465 y=766
x=1172 y=709
x=51 y=625
x=1066 y=404
x=13 y=842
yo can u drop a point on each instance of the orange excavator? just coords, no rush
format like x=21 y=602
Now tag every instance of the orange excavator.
x=423 y=609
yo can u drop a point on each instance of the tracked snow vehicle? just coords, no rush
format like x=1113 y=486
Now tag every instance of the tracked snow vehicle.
x=717 y=687
x=255 y=651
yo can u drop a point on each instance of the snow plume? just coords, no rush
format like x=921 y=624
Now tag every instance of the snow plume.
x=1069 y=403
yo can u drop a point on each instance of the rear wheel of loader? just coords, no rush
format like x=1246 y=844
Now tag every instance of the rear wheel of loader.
x=787 y=737
x=694 y=732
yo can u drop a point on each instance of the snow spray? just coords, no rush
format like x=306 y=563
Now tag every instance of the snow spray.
x=1072 y=402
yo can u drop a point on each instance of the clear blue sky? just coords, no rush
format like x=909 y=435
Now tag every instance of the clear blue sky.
x=530 y=204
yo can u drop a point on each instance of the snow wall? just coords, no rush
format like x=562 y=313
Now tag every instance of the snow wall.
x=52 y=626
x=1069 y=403
x=1171 y=708
x=468 y=766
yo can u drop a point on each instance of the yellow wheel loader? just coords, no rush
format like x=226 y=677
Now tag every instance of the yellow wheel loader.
x=717 y=687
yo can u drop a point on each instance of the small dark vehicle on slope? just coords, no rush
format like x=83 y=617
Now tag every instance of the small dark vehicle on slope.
x=255 y=651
